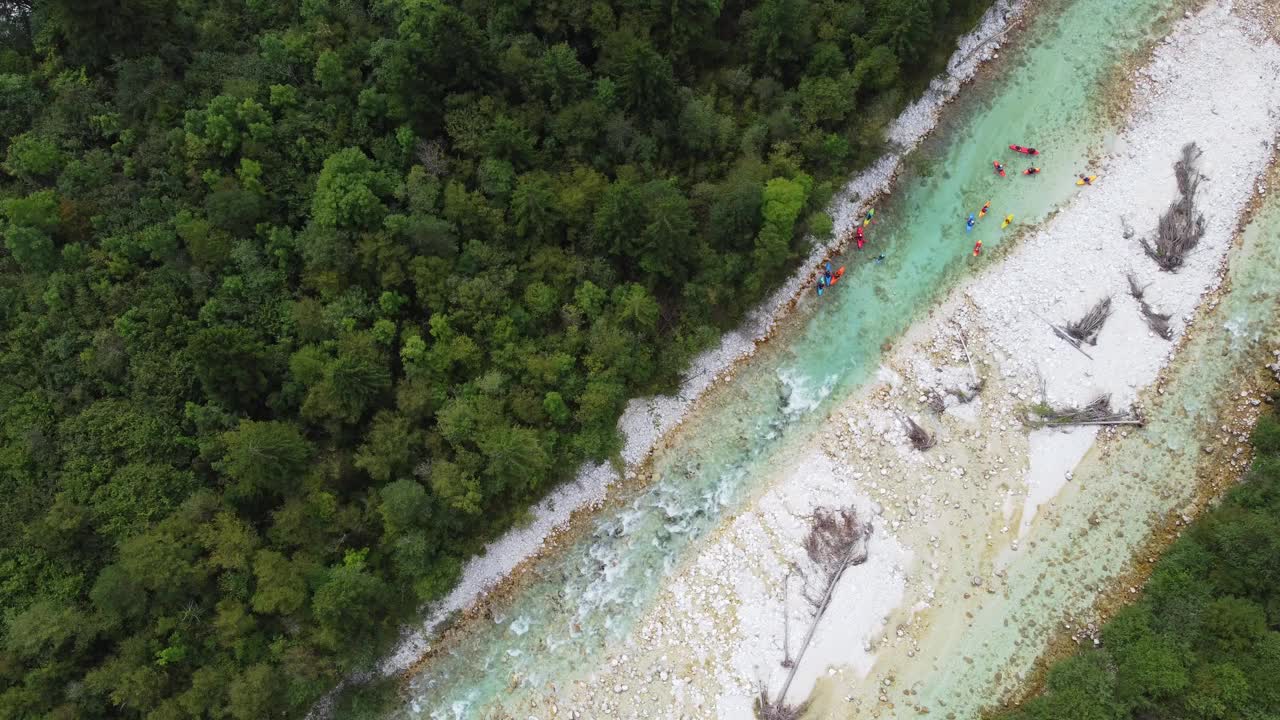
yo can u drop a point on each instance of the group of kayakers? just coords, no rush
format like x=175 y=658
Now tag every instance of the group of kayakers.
x=829 y=278
x=999 y=169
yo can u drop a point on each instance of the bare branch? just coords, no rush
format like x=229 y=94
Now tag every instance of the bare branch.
x=1097 y=412
x=1063 y=334
x=837 y=541
x=1158 y=322
x=1181 y=227
x=1086 y=329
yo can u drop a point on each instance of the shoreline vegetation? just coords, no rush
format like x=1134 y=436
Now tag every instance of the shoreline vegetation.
x=297 y=318
x=1200 y=640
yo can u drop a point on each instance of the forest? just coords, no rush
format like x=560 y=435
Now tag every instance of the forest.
x=304 y=300
x=1203 y=640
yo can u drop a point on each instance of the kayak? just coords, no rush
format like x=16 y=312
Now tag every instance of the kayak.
x=999 y=168
x=983 y=212
x=977 y=248
x=836 y=277
x=870 y=214
x=819 y=291
x=1024 y=150
x=1031 y=171
x=968 y=226
x=1086 y=181
x=1007 y=219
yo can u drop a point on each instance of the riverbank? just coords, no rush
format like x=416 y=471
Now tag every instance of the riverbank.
x=975 y=523
x=647 y=421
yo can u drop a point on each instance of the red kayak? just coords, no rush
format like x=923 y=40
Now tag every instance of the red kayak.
x=836 y=277
x=1024 y=151
x=999 y=168
x=1031 y=171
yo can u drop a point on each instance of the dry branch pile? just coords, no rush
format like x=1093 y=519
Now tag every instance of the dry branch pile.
x=1097 y=412
x=1158 y=322
x=1086 y=329
x=1181 y=226
x=774 y=709
x=837 y=541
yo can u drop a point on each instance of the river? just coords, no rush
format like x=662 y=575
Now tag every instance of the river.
x=1049 y=89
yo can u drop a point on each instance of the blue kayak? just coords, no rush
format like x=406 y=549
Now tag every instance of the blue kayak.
x=968 y=226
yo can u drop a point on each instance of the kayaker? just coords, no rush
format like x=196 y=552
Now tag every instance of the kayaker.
x=879 y=259
x=977 y=248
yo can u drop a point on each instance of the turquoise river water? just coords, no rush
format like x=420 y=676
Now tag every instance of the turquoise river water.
x=1045 y=92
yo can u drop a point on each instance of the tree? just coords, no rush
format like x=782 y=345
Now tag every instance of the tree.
x=349 y=192
x=404 y=507
x=534 y=207
x=233 y=366
x=783 y=201
x=349 y=595
x=229 y=541
x=43 y=629
x=254 y=693
x=281 y=588
x=33 y=157
x=389 y=448
x=645 y=79
x=265 y=456
x=559 y=77
x=515 y=460
x=1151 y=671
x=32 y=249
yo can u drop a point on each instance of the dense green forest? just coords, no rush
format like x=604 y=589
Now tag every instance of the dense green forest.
x=302 y=300
x=1203 y=642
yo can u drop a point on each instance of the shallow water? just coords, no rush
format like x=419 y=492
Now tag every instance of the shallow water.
x=1117 y=497
x=580 y=599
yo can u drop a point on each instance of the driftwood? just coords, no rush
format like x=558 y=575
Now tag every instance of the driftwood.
x=1181 y=227
x=965 y=346
x=837 y=541
x=936 y=399
x=1065 y=336
x=1158 y=322
x=1086 y=329
x=768 y=708
x=1097 y=412
x=919 y=437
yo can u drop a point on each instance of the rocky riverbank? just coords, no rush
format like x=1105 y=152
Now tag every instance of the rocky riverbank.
x=956 y=524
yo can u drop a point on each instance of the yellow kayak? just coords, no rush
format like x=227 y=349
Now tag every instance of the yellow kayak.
x=1007 y=219
x=1086 y=180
